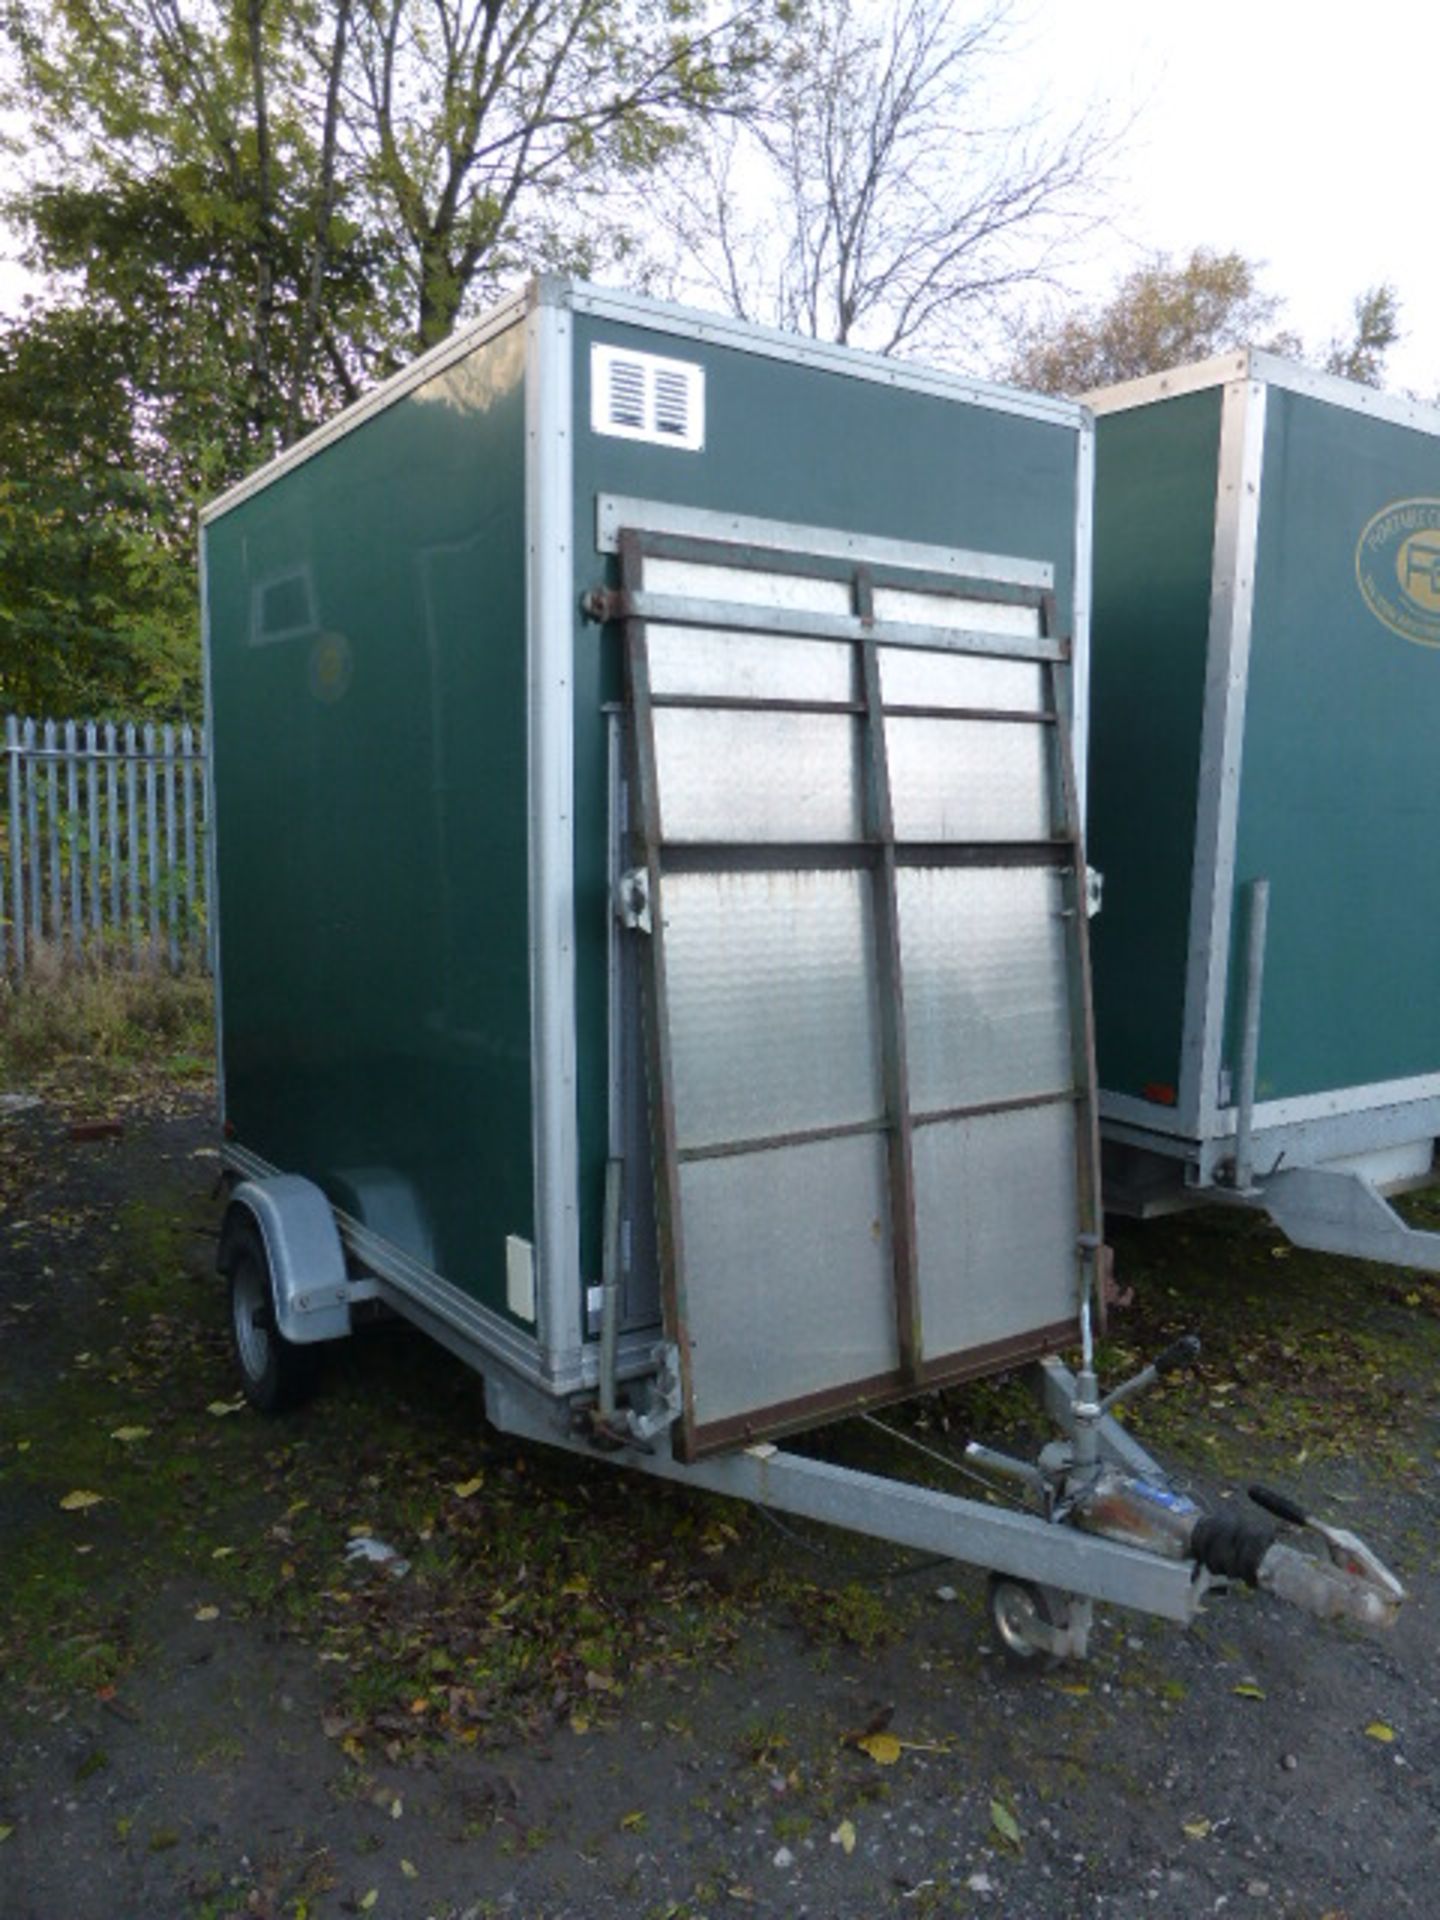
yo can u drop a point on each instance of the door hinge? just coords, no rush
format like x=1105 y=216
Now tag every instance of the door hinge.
x=632 y=900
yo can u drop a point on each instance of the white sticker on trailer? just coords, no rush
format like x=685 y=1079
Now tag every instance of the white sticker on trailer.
x=520 y=1277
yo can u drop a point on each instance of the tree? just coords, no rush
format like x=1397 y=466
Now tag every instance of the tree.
x=1377 y=328
x=872 y=197
x=97 y=604
x=489 y=137
x=1165 y=315
x=1161 y=315
x=337 y=181
x=250 y=209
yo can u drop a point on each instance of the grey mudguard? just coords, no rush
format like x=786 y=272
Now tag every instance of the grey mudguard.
x=307 y=1262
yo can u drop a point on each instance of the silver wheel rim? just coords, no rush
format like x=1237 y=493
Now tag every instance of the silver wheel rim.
x=250 y=1298
x=1015 y=1616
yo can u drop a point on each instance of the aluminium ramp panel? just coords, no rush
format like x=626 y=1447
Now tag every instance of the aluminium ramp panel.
x=871 y=1082
x=796 y=433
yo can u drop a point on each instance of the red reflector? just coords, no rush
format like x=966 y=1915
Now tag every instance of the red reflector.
x=229 y=1129
x=1160 y=1092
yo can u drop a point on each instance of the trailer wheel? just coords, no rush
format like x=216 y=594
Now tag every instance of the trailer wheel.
x=275 y=1373
x=1017 y=1607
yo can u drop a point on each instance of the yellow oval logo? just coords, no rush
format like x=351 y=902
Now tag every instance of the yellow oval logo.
x=1397 y=567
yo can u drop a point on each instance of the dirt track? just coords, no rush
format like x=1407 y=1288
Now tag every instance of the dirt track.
x=589 y=1697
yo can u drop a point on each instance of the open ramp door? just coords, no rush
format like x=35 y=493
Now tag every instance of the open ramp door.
x=870 y=1068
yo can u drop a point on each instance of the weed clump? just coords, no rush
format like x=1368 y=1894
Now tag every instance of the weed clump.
x=104 y=1017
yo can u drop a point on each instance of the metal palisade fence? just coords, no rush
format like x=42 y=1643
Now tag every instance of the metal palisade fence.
x=103 y=844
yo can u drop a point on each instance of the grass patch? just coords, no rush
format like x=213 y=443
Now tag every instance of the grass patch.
x=1306 y=1357
x=110 y=1024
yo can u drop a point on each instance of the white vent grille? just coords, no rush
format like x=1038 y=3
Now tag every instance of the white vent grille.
x=639 y=396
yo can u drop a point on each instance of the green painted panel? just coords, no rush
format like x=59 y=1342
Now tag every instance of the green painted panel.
x=367 y=642
x=785 y=442
x=1156 y=475
x=1340 y=783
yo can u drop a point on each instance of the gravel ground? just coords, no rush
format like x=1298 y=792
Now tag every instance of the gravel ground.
x=179 y=1740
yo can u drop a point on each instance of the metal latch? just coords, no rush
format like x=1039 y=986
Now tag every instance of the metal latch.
x=663 y=1397
x=1094 y=887
x=632 y=900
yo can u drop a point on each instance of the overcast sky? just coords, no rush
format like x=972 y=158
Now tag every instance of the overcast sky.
x=1301 y=136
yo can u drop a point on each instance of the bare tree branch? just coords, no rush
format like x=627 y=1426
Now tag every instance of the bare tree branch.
x=888 y=203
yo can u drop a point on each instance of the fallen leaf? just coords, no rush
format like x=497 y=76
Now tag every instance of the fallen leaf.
x=1196 y=1829
x=409 y=1869
x=207 y=1613
x=336 y=1725
x=397 y=1807
x=844 y=1836
x=221 y=1407
x=367 y=1900
x=465 y=1489
x=5 y=1833
x=80 y=1499
x=1077 y=1689
x=354 y=1746
x=1378 y=1730
x=579 y=1723
x=877 y=1723
x=1248 y=1690
x=23 y=1446
x=1004 y=1822
x=126 y=1435
x=633 y=1822
x=222 y=1553
x=883 y=1748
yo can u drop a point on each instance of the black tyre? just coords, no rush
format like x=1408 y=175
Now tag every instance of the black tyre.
x=275 y=1374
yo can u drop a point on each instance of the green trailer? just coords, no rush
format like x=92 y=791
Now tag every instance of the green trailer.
x=1265 y=796
x=652 y=917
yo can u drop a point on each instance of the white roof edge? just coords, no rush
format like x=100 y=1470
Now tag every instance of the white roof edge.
x=725 y=329
x=497 y=319
x=1271 y=370
x=559 y=290
x=1176 y=380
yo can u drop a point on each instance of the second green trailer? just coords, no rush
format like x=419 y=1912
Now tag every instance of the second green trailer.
x=1265 y=791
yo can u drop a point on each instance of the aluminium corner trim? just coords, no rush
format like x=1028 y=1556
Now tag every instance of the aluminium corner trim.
x=1271 y=370
x=549 y=622
x=1144 y=1116
x=497 y=319
x=616 y=512
x=724 y=330
x=1195 y=378
x=1397 y=408
x=1339 y=1120
x=1227 y=665
x=211 y=861
x=1078 y=678
x=1298 y=1109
